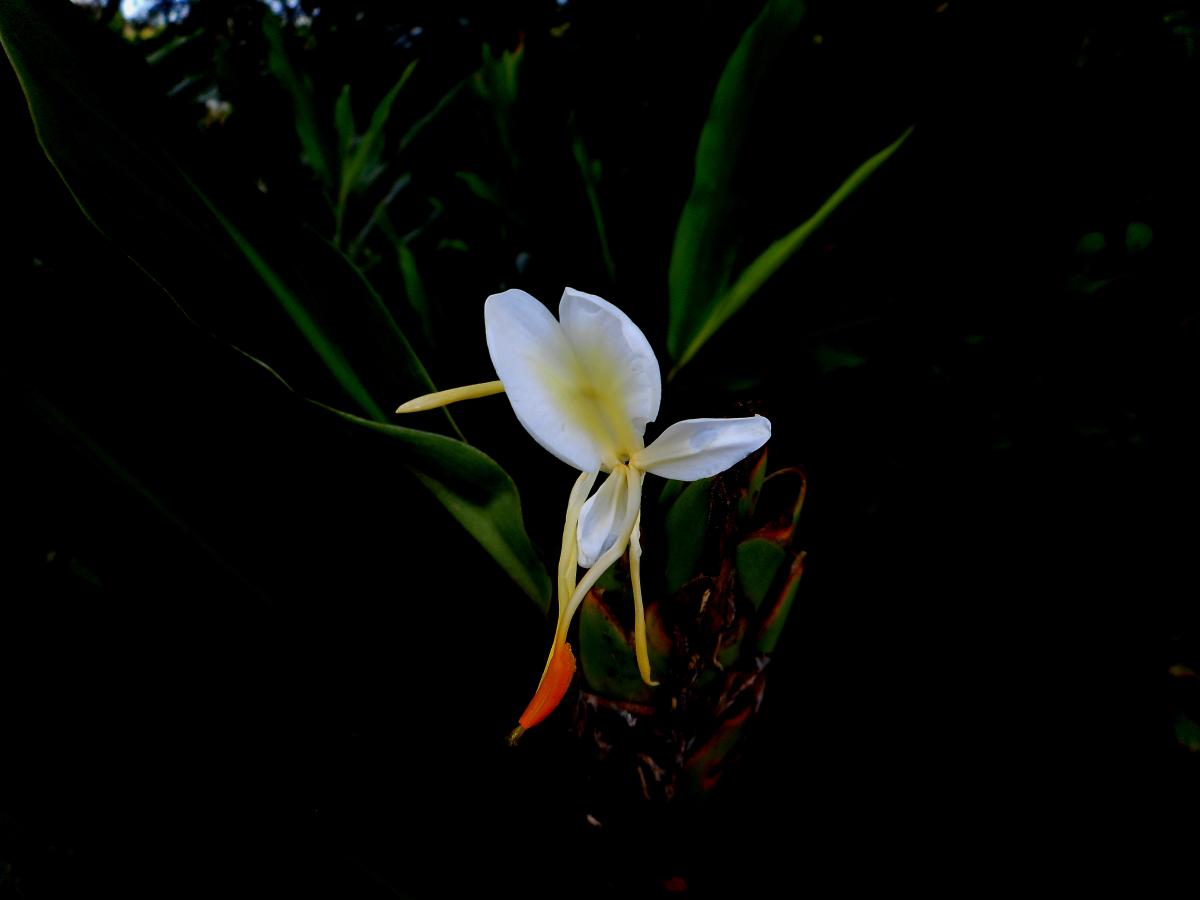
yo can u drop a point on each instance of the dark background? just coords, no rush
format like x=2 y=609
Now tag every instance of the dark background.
x=235 y=663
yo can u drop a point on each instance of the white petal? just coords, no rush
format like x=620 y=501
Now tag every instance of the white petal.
x=541 y=377
x=698 y=448
x=602 y=518
x=616 y=357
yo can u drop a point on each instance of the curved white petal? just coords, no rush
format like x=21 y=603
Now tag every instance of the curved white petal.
x=542 y=378
x=698 y=448
x=602 y=517
x=616 y=357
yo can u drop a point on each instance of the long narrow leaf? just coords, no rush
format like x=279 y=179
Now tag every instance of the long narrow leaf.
x=419 y=125
x=303 y=106
x=365 y=158
x=305 y=306
x=588 y=169
x=343 y=123
x=702 y=255
x=477 y=493
x=768 y=262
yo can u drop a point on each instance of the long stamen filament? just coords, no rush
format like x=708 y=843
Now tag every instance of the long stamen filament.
x=570 y=548
x=569 y=554
x=611 y=555
x=560 y=665
x=639 y=610
x=453 y=395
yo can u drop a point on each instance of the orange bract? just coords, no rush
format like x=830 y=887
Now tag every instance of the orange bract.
x=554 y=684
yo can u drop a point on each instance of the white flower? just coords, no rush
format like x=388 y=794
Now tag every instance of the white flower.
x=585 y=386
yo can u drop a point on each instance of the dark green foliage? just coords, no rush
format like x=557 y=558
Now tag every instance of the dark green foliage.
x=304 y=311
x=243 y=649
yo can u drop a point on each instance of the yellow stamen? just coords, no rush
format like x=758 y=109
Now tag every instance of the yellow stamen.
x=570 y=552
x=444 y=398
x=611 y=555
x=639 y=611
x=567 y=568
x=556 y=677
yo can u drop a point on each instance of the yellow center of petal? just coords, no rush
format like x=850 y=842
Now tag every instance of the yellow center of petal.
x=591 y=396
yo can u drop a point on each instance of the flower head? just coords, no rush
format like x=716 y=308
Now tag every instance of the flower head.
x=585 y=386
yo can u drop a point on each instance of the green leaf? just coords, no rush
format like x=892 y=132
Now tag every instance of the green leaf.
x=419 y=125
x=829 y=359
x=477 y=493
x=496 y=82
x=670 y=491
x=343 y=121
x=329 y=352
x=1187 y=732
x=480 y=188
x=272 y=289
x=589 y=170
x=748 y=502
x=1138 y=236
x=776 y=617
x=359 y=172
x=702 y=769
x=731 y=645
x=687 y=524
x=781 y=503
x=300 y=90
x=297 y=302
x=414 y=290
x=606 y=654
x=702 y=255
x=758 y=561
x=692 y=325
x=1091 y=243
x=360 y=166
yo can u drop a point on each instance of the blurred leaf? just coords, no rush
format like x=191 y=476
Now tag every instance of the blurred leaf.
x=496 y=82
x=692 y=326
x=1091 y=243
x=748 y=502
x=703 y=767
x=1187 y=732
x=480 y=188
x=830 y=359
x=378 y=214
x=419 y=125
x=772 y=625
x=372 y=140
x=686 y=523
x=360 y=166
x=414 y=290
x=372 y=168
x=702 y=255
x=758 y=561
x=1138 y=236
x=589 y=170
x=317 y=312
x=343 y=121
x=300 y=89
x=781 y=503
